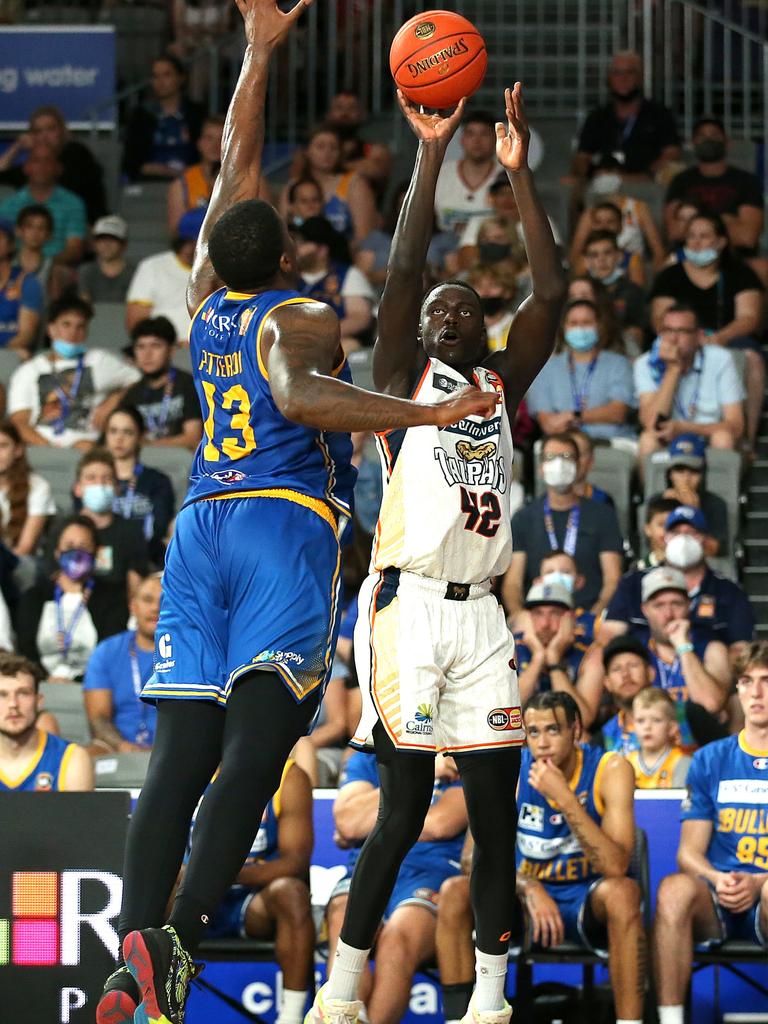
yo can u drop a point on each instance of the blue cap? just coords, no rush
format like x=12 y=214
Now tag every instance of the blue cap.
x=686 y=514
x=189 y=226
x=688 y=450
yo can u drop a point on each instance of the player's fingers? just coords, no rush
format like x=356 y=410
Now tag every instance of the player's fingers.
x=296 y=12
x=501 y=131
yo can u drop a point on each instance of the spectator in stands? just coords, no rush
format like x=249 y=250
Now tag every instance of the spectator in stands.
x=32 y=760
x=497 y=286
x=408 y=935
x=42 y=171
x=270 y=897
x=58 y=623
x=583 y=386
x=571 y=865
x=26 y=504
x=142 y=494
x=198 y=24
x=63 y=396
x=628 y=669
x=372 y=160
x=159 y=286
x=583 y=487
x=21 y=297
x=119 y=667
x=636 y=131
x=81 y=173
x=463 y=186
x=727 y=297
x=685 y=386
x=106 y=279
x=349 y=200
x=305 y=200
x=122 y=557
x=586 y=287
x=549 y=650
x=714 y=186
x=607 y=217
x=193 y=187
x=34 y=227
x=685 y=486
x=560 y=520
x=165 y=396
x=659 y=761
x=654 y=530
x=721 y=891
x=160 y=137
x=559 y=567
x=322 y=258
x=606 y=263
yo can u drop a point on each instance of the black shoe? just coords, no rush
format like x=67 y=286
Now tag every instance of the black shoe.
x=119 y=999
x=162 y=969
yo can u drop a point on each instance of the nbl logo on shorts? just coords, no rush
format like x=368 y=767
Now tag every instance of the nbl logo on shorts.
x=505 y=719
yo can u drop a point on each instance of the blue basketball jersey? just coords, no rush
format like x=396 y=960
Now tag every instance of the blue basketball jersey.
x=728 y=785
x=619 y=736
x=248 y=444
x=45 y=772
x=546 y=849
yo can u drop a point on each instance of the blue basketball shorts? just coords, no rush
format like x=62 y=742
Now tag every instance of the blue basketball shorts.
x=250 y=583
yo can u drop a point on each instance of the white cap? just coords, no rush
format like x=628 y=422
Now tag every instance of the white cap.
x=112 y=225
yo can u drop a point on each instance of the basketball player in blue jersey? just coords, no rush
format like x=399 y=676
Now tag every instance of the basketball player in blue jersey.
x=248 y=618
x=434 y=656
x=32 y=760
x=722 y=891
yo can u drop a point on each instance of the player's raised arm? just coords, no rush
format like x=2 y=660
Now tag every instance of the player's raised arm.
x=302 y=342
x=243 y=139
x=532 y=333
x=398 y=356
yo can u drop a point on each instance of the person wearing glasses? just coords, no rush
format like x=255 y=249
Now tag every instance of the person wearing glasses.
x=685 y=386
x=722 y=890
x=560 y=520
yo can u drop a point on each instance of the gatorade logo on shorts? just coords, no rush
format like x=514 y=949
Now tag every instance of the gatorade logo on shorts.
x=505 y=719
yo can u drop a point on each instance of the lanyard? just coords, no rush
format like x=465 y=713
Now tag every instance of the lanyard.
x=668 y=673
x=143 y=736
x=571 y=528
x=627 y=129
x=65 y=634
x=128 y=499
x=156 y=424
x=579 y=395
x=690 y=412
x=67 y=399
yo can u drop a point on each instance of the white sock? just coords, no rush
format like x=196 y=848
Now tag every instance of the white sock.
x=626 y=1020
x=348 y=965
x=490 y=976
x=671 y=1015
x=292 y=1007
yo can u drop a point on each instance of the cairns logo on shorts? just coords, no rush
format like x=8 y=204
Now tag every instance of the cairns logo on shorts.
x=421 y=723
x=281 y=657
x=505 y=719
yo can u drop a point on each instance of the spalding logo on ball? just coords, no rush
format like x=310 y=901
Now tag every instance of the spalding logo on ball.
x=438 y=57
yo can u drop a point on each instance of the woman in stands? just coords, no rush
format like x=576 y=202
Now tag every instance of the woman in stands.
x=141 y=493
x=25 y=498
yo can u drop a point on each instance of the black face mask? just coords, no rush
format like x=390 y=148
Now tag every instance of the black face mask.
x=493 y=304
x=709 y=151
x=626 y=97
x=493 y=252
x=156 y=374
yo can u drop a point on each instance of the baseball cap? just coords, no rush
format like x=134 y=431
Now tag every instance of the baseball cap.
x=626 y=644
x=549 y=593
x=190 y=223
x=111 y=225
x=686 y=514
x=687 y=450
x=662 y=578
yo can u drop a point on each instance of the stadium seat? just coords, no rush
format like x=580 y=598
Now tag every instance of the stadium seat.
x=726 y=957
x=59 y=467
x=65 y=700
x=361 y=367
x=9 y=361
x=180 y=358
x=174 y=462
x=612 y=472
x=107 y=329
x=121 y=771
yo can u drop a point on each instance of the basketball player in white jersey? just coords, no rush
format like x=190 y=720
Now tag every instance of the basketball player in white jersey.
x=433 y=653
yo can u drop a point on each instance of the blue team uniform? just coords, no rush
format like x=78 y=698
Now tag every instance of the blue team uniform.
x=46 y=770
x=572 y=657
x=728 y=786
x=252 y=575
x=619 y=736
x=547 y=850
x=426 y=865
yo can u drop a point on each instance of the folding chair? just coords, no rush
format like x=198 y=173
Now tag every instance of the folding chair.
x=65 y=700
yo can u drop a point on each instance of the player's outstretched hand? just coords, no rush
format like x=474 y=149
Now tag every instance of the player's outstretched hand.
x=513 y=140
x=265 y=23
x=431 y=127
x=469 y=402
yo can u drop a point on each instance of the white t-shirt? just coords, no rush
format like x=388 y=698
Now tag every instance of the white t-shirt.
x=62 y=394
x=39 y=500
x=456 y=202
x=160 y=284
x=76 y=620
x=472 y=230
x=355 y=283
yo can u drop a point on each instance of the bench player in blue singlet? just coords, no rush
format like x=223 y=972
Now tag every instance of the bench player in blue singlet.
x=722 y=891
x=248 y=617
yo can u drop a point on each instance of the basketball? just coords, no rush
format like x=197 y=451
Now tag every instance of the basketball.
x=438 y=57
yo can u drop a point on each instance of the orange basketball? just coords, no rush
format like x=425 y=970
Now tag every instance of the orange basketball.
x=438 y=57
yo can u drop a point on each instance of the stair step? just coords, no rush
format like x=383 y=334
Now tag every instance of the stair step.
x=756 y=551
x=759 y=473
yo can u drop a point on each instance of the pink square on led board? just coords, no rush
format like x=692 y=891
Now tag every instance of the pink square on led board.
x=36 y=943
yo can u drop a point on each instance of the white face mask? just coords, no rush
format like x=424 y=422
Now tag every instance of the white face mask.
x=562 y=579
x=684 y=551
x=559 y=473
x=605 y=184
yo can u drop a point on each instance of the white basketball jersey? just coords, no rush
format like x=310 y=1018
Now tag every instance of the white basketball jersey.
x=445 y=511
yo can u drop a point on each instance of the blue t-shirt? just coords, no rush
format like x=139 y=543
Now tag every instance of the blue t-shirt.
x=572 y=657
x=22 y=291
x=110 y=668
x=557 y=389
x=712 y=382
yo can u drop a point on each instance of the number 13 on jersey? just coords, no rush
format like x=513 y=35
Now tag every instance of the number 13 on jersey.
x=235 y=437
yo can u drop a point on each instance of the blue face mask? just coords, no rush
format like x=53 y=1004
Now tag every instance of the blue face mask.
x=609 y=278
x=67 y=349
x=581 y=339
x=98 y=498
x=702 y=258
x=76 y=563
